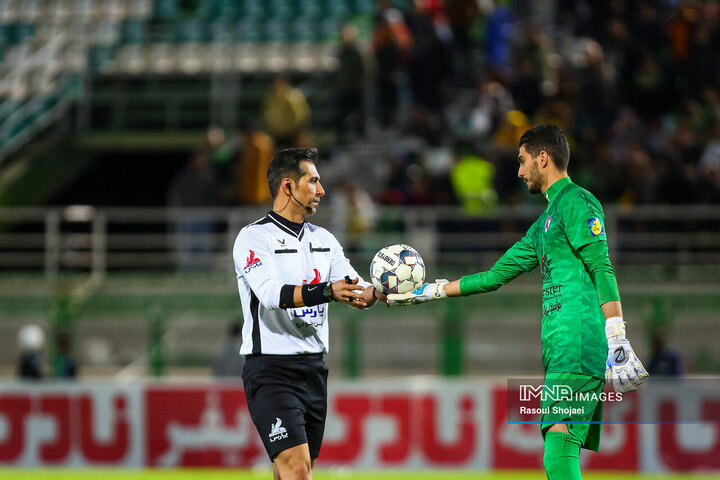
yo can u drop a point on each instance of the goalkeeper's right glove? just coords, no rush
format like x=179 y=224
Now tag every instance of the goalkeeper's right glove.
x=623 y=368
x=425 y=293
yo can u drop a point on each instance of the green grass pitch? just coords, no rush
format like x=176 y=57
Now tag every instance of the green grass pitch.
x=335 y=474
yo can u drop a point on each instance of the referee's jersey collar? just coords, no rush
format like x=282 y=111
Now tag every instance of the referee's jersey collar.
x=285 y=224
x=556 y=188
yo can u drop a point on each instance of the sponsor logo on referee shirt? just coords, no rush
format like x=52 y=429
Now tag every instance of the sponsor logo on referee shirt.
x=277 y=431
x=252 y=262
x=316 y=278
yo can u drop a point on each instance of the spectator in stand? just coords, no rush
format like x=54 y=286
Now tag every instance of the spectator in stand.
x=350 y=84
x=251 y=166
x=354 y=210
x=664 y=361
x=493 y=101
x=472 y=180
x=528 y=76
x=66 y=366
x=461 y=16
x=429 y=64
x=31 y=341
x=219 y=150
x=596 y=85
x=710 y=167
x=195 y=186
x=419 y=190
x=229 y=363
x=648 y=88
x=498 y=32
x=286 y=113
x=392 y=46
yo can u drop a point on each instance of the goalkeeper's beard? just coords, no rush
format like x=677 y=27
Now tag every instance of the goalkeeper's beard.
x=534 y=181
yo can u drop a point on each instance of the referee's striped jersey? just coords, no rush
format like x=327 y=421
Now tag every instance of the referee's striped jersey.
x=273 y=252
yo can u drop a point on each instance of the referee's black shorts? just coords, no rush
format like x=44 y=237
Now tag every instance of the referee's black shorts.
x=287 y=399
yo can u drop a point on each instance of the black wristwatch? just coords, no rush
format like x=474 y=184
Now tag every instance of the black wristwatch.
x=327 y=292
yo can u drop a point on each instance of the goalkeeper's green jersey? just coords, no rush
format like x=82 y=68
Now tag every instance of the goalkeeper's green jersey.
x=573 y=334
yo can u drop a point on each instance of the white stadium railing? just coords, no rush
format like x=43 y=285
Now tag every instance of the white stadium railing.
x=100 y=239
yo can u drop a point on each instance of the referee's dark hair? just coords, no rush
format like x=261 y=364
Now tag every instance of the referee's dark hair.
x=286 y=163
x=551 y=139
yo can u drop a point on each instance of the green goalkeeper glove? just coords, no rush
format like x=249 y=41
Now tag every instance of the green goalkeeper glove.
x=623 y=368
x=425 y=293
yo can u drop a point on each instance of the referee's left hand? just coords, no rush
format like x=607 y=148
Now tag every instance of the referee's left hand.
x=349 y=293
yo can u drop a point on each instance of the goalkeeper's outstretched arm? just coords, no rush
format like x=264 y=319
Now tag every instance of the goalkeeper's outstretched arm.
x=520 y=258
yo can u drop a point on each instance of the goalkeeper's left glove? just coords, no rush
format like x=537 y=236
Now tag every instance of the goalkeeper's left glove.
x=425 y=293
x=623 y=368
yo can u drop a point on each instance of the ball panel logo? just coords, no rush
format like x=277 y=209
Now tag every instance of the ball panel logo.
x=390 y=261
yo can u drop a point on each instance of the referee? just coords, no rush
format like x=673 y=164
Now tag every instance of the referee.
x=288 y=272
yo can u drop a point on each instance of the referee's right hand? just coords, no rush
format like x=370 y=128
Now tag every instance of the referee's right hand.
x=347 y=293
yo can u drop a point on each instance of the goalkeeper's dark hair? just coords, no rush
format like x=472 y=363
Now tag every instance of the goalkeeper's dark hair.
x=286 y=163
x=551 y=139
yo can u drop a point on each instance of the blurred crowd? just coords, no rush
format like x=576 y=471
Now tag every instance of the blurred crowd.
x=634 y=84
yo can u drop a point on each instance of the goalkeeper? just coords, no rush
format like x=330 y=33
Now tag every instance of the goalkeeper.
x=583 y=332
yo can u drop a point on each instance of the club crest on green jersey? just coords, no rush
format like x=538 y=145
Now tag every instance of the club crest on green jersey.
x=596 y=227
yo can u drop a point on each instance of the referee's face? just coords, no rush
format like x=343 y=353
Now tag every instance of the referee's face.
x=310 y=189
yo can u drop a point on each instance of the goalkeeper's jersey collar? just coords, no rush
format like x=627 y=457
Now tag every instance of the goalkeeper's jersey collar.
x=556 y=188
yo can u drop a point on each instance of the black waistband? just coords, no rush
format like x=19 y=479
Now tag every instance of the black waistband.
x=285 y=357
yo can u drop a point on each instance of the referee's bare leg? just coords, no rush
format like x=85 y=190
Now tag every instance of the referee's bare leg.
x=294 y=464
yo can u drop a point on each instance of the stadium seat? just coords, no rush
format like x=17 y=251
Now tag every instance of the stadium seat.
x=165 y=10
x=193 y=31
x=116 y=10
x=162 y=57
x=249 y=31
x=221 y=56
x=193 y=58
x=130 y=59
x=169 y=36
x=133 y=31
x=222 y=31
x=21 y=31
x=29 y=11
x=277 y=31
x=139 y=9
x=99 y=55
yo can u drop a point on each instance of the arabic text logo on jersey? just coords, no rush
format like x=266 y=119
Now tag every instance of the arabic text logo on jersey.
x=252 y=262
x=596 y=227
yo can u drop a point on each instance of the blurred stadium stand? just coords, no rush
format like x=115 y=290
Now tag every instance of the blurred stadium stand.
x=102 y=101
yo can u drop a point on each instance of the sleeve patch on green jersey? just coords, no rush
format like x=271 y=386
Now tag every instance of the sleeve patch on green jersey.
x=596 y=227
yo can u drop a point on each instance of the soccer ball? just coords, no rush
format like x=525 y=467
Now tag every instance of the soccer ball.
x=397 y=269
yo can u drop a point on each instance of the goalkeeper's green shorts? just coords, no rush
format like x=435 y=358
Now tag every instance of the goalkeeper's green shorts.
x=587 y=408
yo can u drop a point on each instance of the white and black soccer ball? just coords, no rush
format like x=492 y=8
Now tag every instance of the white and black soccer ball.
x=397 y=269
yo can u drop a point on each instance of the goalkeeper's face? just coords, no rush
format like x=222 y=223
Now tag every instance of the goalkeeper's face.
x=529 y=171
